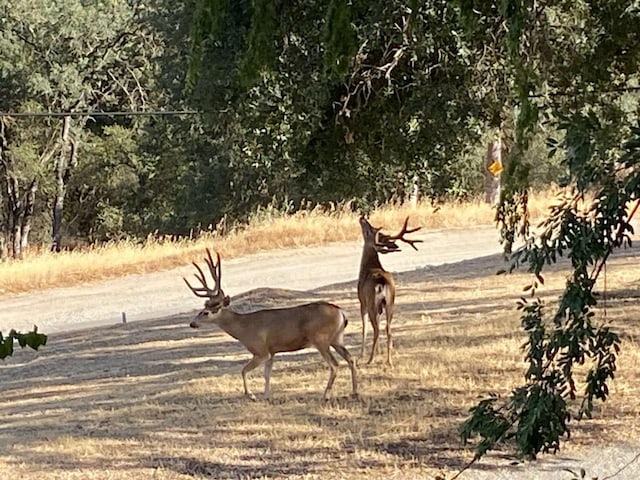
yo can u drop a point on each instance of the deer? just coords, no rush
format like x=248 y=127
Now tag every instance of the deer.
x=376 y=287
x=264 y=333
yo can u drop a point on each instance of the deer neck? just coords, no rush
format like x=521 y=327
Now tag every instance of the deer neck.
x=231 y=322
x=369 y=260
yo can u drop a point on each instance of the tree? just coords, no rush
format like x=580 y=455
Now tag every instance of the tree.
x=387 y=97
x=575 y=68
x=21 y=174
x=66 y=57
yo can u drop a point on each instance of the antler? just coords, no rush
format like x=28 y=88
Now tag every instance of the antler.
x=400 y=235
x=216 y=274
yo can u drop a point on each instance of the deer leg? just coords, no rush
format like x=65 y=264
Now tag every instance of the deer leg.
x=333 y=365
x=373 y=317
x=389 y=313
x=365 y=316
x=253 y=363
x=267 y=376
x=344 y=353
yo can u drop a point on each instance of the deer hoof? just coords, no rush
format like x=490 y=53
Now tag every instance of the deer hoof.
x=251 y=397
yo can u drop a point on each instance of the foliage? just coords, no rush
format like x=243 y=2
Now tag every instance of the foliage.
x=62 y=56
x=599 y=149
x=31 y=339
x=407 y=111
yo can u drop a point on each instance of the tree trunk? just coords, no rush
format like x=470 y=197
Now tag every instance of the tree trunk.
x=492 y=170
x=4 y=226
x=66 y=161
x=415 y=192
x=3 y=247
x=16 y=210
x=27 y=216
x=15 y=215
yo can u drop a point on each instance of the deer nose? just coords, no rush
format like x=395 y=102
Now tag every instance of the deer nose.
x=194 y=324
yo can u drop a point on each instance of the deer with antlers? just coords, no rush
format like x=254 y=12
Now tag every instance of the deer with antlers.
x=376 y=287
x=267 y=332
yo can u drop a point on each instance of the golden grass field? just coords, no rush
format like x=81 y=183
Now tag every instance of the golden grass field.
x=157 y=400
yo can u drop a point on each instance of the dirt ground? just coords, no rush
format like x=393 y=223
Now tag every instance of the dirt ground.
x=152 y=398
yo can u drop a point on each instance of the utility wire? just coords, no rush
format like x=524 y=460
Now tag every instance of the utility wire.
x=150 y=113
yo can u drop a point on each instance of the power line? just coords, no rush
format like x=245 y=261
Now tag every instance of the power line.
x=149 y=113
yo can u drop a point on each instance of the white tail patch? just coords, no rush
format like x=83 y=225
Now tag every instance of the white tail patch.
x=382 y=296
x=382 y=291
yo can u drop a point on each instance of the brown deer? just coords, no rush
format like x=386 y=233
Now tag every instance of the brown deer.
x=267 y=332
x=376 y=288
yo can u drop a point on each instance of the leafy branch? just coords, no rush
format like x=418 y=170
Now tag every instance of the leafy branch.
x=31 y=339
x=536 y=415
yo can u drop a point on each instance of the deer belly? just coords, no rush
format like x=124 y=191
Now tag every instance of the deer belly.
x=292 y=345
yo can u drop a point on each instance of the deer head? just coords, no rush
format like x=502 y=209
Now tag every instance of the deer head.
x=382 y=243
x=216 y=299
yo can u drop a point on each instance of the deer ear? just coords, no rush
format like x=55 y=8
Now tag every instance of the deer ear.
x=226 y=301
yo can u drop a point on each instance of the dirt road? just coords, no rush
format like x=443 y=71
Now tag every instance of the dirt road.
x=144 y=297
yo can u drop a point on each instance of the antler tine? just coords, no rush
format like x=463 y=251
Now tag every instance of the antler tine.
x=212 y=266
x=203 y=291
x=219 y=265
x=200 y=276
x=215 y=269
x=198 y=292
x=400 y=235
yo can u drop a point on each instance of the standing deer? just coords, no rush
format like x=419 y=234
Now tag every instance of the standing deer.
x=267 y=332
x=376 y=288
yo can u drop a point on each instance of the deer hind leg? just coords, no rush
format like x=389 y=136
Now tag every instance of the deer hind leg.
x=389 y=314
x=251 y=364
x=375 y=323
x=344 y=353
x=333 y=366
x=365 y=318
x=388 y=310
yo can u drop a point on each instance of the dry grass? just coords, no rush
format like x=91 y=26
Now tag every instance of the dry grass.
x=267 y=231
x=156 y=400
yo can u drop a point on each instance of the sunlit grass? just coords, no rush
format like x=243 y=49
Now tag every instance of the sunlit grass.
x=267 y=230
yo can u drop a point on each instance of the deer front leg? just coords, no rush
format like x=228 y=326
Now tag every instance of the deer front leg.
x=253 y=363
x=267 y=376
x=389 y=343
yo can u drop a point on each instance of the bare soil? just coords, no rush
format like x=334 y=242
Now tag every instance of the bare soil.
x=151 y=398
